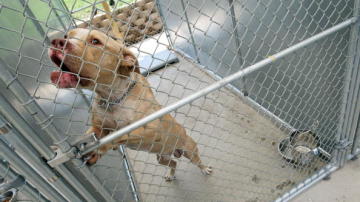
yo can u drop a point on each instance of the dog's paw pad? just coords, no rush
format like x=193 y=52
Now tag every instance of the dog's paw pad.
x=207 y=170
x=169 y=178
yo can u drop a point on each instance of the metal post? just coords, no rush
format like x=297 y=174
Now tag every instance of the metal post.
x=26 y=188
x=9 y=155
x=219 y=84
x=356 y=135
x=45 y=122
x=238 y=45
x=129 y=174
x=190 y=32
x=349 y=89
x=23 y=148
x=28 y=133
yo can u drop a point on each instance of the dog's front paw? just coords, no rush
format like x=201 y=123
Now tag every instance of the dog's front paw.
x=91 y=158
x=207 y=170
x=169 y=178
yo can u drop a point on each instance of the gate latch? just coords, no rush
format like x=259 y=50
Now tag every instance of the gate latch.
x=78 y=145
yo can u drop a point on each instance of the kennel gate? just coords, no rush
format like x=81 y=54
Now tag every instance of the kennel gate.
x=282 y=65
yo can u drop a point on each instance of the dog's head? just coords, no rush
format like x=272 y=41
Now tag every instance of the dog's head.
x=88 y=57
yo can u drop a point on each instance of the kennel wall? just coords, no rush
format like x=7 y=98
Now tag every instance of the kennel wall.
x=282 y=66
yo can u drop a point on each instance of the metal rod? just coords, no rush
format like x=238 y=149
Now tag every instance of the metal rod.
x=27 y=189
x=219 y=84
x=28 y=133
x=238 y=45
x=356 y=135
x=19 y=123
x=43 y=120
x=129 y=174
x=14 y=85
x=349 y=82
x=190 y=32
x=28 y=153
x=307 y=183
x=9 y=155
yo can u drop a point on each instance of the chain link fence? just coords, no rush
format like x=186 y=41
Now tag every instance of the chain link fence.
x=267 y=90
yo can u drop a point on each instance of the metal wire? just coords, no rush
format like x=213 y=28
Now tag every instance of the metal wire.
x=237 y=124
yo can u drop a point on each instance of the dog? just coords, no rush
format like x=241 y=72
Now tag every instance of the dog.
x=92 y=60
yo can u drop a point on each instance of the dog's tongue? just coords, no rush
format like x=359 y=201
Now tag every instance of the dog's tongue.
x=64 y=79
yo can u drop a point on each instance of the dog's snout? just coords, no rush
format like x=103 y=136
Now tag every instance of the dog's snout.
x=58 y=43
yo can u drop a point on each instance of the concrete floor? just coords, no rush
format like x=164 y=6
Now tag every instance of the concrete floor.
x=343 y=186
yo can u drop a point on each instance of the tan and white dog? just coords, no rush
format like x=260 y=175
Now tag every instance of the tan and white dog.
x=92 y=60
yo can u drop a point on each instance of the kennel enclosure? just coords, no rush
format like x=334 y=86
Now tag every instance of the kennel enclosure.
x=239 y=75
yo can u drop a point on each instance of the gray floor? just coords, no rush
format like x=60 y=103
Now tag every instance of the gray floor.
x=343 y=186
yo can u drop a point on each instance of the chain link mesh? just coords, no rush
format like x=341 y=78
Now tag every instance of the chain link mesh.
x=237 y=135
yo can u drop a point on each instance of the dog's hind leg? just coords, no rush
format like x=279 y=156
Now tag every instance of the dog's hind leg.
x=167 y=161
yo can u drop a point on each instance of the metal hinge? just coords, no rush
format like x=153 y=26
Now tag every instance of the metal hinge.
x=78 y=146
x=343 y=144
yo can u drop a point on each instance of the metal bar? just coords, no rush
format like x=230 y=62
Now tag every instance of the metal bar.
x=26 y=188
x=23 y=148
x=356 y=135
x=129 y=174
x=31 y=106
x=237 y=42
x=307 y=183
x=9 y=155
x=19 y=123
x=190 y=32
x=34 y=109
x=351 y=70
x=28 y=133
x=219 y=84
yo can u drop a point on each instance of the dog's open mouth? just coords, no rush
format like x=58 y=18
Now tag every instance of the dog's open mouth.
x=64 y=78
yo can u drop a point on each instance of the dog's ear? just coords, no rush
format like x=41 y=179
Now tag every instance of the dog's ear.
x=128 y=63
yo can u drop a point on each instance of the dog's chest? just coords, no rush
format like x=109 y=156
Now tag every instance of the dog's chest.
x=114 y=116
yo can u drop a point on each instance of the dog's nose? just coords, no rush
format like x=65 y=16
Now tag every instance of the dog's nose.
x=58 y=43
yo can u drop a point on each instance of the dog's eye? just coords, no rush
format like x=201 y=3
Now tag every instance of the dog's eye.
x=65 y=36
x=95 y=42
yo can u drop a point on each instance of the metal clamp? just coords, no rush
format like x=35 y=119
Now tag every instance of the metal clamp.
x=61 y=157
x=8 y=190
x=9 y=195
x=78 y=146
x=15 y=183
x=343 y=144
